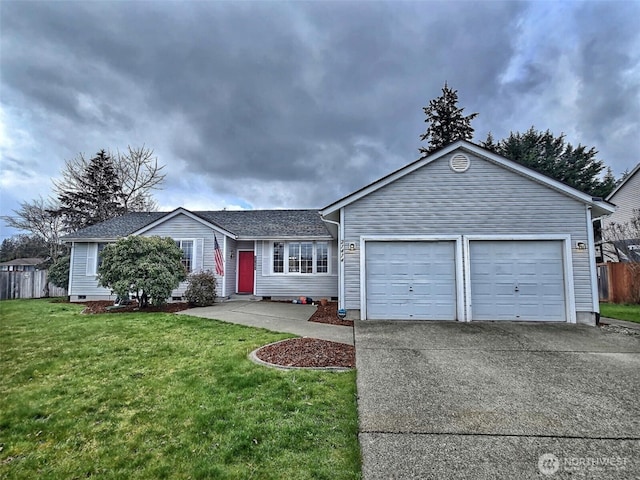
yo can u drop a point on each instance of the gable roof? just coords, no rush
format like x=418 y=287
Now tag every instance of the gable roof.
x=600 y=207
x=623 y=182
x=239 y=224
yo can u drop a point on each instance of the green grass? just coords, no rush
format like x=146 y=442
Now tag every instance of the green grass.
x=162 y=396
x=621 y=312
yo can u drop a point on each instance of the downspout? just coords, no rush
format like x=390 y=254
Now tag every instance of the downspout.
x=340 y=260
x=224 y=265
x=595 y=294
x=70 y=288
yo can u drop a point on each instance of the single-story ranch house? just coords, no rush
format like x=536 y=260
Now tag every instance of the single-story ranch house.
x=462 y=234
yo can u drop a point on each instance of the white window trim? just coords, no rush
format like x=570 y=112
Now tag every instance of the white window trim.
x=193 y=251
x=92 y=258
x=286 y=271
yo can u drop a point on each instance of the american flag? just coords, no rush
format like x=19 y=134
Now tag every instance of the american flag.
x=218 y=255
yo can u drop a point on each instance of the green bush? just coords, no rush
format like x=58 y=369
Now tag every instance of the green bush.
x=201 y=289
x=59 y=272
x=149 y=267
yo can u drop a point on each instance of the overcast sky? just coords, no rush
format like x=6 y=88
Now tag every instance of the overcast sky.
x=293 y=105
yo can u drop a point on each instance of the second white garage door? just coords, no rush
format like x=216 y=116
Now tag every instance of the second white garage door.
x=410 y=280
x=517 y=280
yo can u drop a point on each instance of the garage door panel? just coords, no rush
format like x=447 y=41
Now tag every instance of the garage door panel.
x=517 y=280
x=422 y=274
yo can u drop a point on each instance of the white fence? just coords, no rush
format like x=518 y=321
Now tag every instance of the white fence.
x=27 y=285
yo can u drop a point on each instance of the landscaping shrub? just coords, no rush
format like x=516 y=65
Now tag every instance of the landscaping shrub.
x=201 y=289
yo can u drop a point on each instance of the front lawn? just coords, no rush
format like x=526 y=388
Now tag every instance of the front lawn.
x=162 y=396
x=621 y=312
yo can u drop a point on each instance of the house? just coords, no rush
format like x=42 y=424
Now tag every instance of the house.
x=462 y=234
x=465 y=235
x=267 y=253
x=623 y=243
x=21 y=265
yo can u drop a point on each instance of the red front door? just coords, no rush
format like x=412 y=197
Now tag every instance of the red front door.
x=245 y=272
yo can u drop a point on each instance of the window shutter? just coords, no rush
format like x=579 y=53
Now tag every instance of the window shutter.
x=92 y=254
x=198 y=253
x=266 y=257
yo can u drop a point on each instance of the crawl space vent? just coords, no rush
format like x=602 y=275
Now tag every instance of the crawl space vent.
x=459 y=163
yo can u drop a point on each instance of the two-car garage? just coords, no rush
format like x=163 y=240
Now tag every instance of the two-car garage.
x=466 y=278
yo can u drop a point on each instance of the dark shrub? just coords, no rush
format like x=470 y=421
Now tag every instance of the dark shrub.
x=201 y=291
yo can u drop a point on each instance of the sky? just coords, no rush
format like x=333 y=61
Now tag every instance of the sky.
x=268 y=104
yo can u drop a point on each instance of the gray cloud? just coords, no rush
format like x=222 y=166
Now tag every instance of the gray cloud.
x=296 y=104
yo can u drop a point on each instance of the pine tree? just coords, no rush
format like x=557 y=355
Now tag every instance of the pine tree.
x=577 y=167
x=446 y=122
x=92 y=195
x=607 y=185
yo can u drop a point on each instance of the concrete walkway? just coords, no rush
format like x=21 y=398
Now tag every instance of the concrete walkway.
x=620 y=323
x=274 y=316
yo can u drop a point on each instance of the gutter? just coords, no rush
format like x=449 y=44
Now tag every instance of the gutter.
x=341 y=301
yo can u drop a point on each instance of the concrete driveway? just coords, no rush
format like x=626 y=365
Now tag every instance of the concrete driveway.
x=497 y=400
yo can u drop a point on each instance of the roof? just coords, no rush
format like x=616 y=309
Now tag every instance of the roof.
x=600 y=207
x=243 y=224
x=24 y=261
x=623 y=182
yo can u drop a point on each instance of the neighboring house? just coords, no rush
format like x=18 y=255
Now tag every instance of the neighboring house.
x=623 y=243
x=21 y=265
x=462 y=234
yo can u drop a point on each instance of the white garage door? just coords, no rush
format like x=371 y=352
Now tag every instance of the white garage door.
x=410 y=280
x=517 y=280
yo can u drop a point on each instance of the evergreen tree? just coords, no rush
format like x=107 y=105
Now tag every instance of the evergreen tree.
x=23 y=246
x=446 y=122
x=606 y=186
x=577 y=167
x=91 y=195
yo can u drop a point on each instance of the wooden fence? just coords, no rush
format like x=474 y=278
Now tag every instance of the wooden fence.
x=27 y=285
x=619 y=282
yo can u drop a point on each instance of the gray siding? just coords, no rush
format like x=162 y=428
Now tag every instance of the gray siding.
x=230 y=267
x=81 y=283
x=183 y=227
x=179 y=227
x=485 y=200
x=292 y=285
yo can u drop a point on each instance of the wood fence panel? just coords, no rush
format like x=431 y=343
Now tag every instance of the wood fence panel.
x=619 y=282
x=27 y=285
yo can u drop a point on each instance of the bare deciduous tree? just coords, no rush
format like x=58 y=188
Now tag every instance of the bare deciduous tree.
x=621 y=243
x=138 y=174
x=39 y=217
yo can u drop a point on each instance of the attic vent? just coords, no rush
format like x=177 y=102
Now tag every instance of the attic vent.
x=459 y=163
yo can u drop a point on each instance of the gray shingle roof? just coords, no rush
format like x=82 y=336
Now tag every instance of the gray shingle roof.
x=118 y=226
x=242 y=223
x=24 y=261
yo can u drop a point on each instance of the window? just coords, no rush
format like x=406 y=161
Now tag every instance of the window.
x=302 y=257
x=187 y=253
x=322 y=257
x=99 y=257
x=278 y=257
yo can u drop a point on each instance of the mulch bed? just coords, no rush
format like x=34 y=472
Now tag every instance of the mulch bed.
x=329 y=314
x=308 y=352
x=101 y=307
